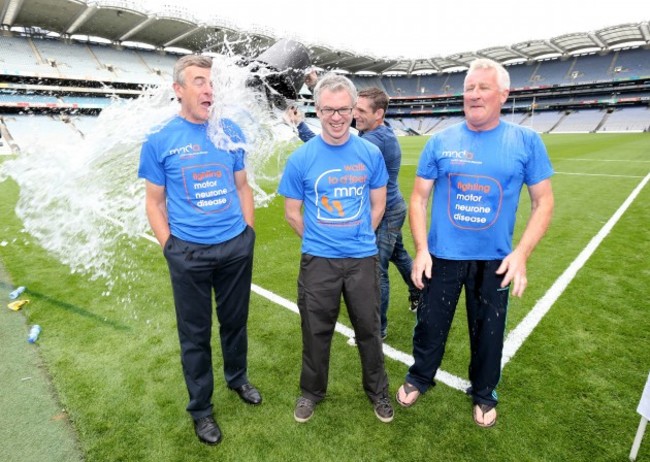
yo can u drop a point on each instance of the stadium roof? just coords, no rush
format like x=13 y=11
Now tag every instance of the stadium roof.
x=120 y=21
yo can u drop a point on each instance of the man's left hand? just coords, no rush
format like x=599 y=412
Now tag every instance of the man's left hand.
x=514 y=268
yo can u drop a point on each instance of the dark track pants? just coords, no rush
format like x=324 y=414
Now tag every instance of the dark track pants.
x=195 y=271
x=486 y=305
x=320 y=284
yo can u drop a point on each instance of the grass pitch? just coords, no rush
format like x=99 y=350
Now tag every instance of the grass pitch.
x=569 y=393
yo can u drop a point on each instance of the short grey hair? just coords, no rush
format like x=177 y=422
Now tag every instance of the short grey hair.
x=204 y=62
x=335 y=82
x=503 y=77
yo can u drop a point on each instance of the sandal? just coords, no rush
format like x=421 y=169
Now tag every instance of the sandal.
x=480 y=410
x=408 y=389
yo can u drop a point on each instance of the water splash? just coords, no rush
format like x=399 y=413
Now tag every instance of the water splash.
x=81 y=198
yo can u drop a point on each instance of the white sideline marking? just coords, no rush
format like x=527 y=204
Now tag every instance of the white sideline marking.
x=627 y=161
x=599 y=174
x=442 y=376
x=518 y=335
x=149 y=237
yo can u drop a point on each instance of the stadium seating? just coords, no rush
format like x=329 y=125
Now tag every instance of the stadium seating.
x=18 y=58
x=631 y=64
x=542 y=122
x=591 y=68
x=601 y=92
x=632 y=119
x=72 y=60
x=580 y=121
x=551 y=72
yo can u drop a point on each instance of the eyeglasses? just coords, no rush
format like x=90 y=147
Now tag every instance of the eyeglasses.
x=342 y=111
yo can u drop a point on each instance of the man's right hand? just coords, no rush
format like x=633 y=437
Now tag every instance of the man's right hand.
x=422 y=264
x=293 y=115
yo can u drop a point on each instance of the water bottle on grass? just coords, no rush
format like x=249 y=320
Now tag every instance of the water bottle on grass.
x=33 y=333
x=16 y=293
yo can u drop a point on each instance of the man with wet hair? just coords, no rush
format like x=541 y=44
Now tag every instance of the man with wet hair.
x=478 y=168
x=200 y=208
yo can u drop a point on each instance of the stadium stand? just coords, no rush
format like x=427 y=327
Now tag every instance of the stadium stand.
x=542 y=122
x=402 y=85
x=520 y=75
x=634 y=119
x=71 y=60
x=551 y=72
x=18 y=58
x=591 y=68
x=585 y=121
x=49 y=72
x=631 y=64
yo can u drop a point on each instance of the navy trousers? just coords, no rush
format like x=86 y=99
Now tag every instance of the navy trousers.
x=486 y=304
x=196 y=271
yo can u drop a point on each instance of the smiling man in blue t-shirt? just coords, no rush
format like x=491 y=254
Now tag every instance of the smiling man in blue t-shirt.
x=335 y=194
x=369 y=114
x=479 y=168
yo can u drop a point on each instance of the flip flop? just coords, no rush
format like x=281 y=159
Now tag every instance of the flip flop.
x=481 y=410
x=408 y=389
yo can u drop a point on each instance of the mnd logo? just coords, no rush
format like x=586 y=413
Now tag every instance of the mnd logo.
x=184 y=150
x=461 y=156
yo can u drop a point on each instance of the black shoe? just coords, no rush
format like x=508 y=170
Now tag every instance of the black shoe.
x=207 y=430
x=249 y=394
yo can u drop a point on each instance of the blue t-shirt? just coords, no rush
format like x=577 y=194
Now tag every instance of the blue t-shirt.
x=384 y=138
x=202 y=201
x=334 y=183
x=478 y=180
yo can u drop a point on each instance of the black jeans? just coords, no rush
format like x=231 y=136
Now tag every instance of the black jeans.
x=195 y=271
x=321 y=283
x=486 y=304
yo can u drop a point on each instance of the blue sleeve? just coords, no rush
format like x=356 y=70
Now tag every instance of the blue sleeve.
x=150 y=168
x=291 y=182
x=304 y=132
x=538 y=167
x=426 y=165
x=380 y=175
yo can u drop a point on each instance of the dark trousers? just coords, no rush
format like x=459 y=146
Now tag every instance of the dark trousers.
x=391 y=249
x=196 y=270
x=321 y=283
x=486 y=305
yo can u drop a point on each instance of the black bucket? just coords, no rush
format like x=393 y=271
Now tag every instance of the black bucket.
x=287 y=61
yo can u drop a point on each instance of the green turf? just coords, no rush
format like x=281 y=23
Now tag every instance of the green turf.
x=33 y=424
x=570 y=393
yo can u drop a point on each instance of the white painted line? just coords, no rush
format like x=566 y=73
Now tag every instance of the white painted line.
x=150 y=238
x=627 y=161
x=599 y=174
x=442 y=376
x=518 y=335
